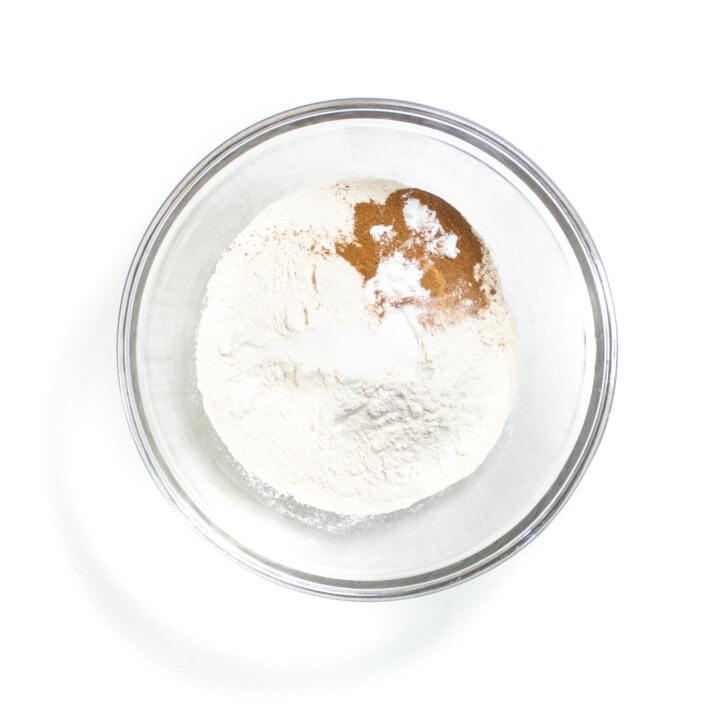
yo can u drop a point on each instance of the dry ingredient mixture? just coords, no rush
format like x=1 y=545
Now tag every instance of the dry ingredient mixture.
x=356 y=351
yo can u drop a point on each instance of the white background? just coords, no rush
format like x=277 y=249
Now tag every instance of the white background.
x=112 y=607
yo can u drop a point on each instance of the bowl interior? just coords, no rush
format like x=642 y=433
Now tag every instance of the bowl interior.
x=548 y=280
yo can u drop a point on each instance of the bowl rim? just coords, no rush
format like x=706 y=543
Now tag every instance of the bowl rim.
x=596 y=281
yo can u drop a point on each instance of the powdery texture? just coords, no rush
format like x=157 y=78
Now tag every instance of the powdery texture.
x=316 y=394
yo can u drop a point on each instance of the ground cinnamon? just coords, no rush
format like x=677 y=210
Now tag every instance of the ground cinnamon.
x=462 y=284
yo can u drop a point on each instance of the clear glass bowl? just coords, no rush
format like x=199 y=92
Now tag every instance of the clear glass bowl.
x=553 y=280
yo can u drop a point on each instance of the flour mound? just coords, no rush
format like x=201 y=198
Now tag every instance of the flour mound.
x=320 y=395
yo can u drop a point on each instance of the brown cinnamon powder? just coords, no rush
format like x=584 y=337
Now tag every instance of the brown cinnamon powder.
x=462 y=285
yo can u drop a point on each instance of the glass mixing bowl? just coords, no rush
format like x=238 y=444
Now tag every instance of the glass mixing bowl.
x=553 y=280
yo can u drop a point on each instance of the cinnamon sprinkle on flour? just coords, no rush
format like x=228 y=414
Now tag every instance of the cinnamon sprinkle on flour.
x=419 y=231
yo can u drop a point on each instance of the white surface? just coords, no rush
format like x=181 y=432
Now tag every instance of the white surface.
x=112 y=607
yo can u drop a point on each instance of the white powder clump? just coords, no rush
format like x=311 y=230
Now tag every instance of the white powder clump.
x=320 y=396
x=421 y=219
x=397 y=279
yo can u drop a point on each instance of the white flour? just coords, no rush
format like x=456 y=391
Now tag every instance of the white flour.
x=317 y=395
